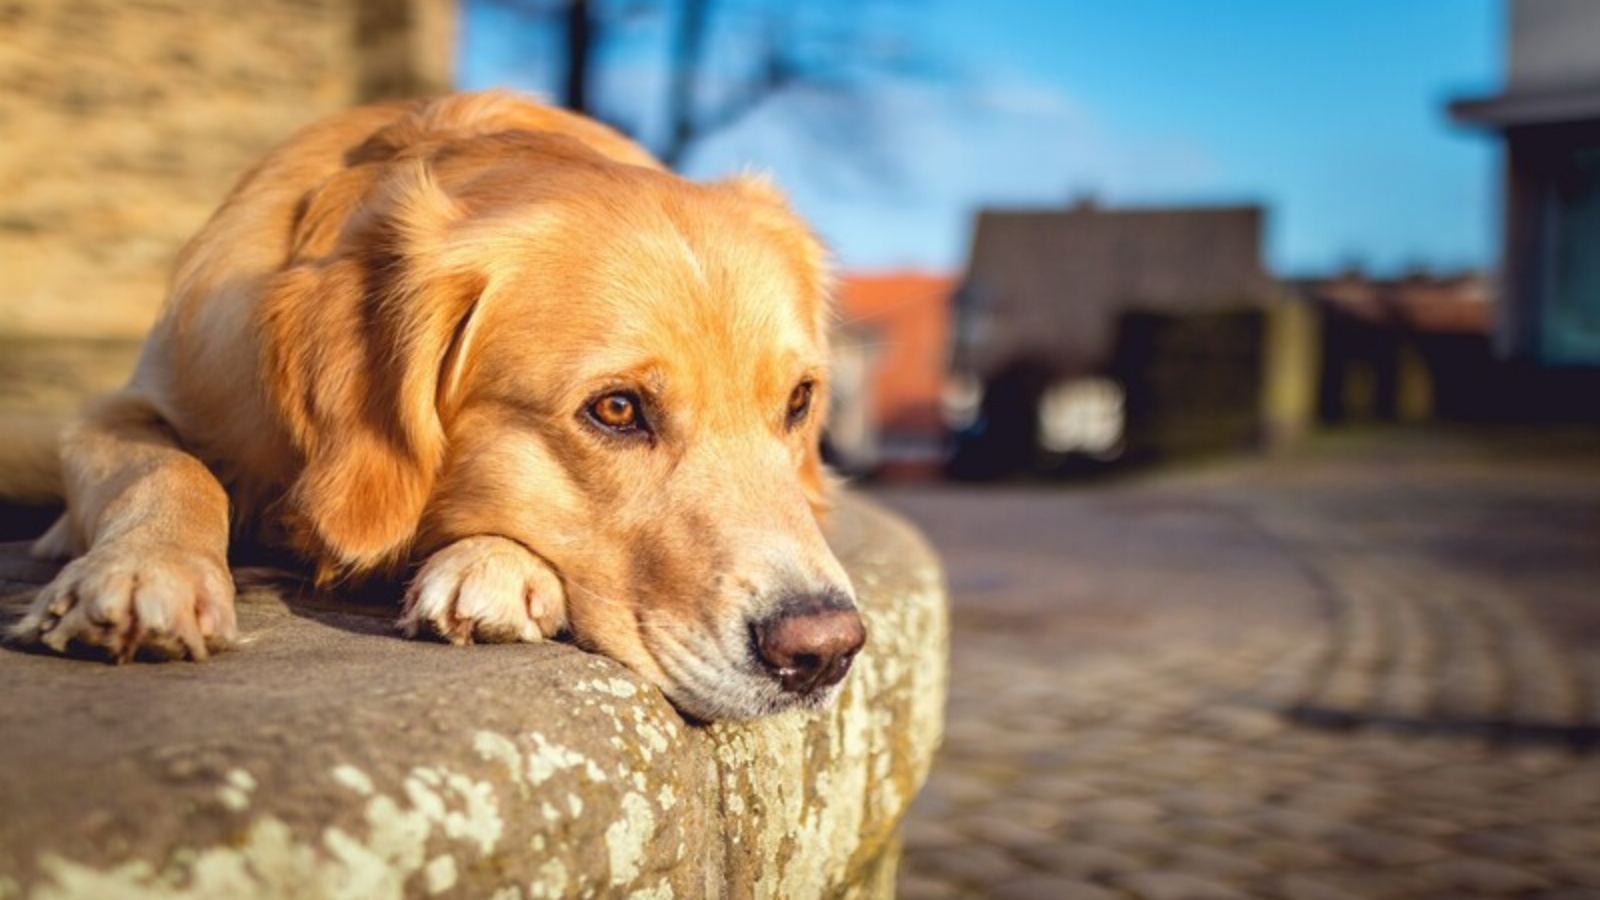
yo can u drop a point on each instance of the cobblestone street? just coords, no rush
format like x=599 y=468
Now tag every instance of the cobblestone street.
x=1371 y=671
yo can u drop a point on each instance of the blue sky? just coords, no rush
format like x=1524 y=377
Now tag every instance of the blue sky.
x=1329 y=113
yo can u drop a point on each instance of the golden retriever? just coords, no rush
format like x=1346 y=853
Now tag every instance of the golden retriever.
x=492 y=345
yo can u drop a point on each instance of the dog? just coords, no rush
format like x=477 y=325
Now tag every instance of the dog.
x=496 y=347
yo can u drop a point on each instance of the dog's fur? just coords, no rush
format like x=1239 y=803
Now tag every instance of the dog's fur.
x=383 y=351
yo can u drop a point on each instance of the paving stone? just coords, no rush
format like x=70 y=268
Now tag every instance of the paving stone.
x=1032 y=812
x=1205 y=801
x=1483 y=876
x=927 y=831
x=914 y=886
x=1059 y=788
x=974 y=864
x=1337 y=799
x=1122 y=810
x=1389 y=753
x=1294 y=856
x=1126 y=774
x=956 y=787
x=1384 y=848
x=1577 y=788
x=1231 y=866
x=1290 y=823
x=1421 y=826
x=1238 y=723
x=1580 y=872
x=1305 y=887
x=1403 y=697
x=1488 y=813
x=1470 y=782
x=1368 y=883
x=933 y=806
x=1502 y=844
x=1172 y=766
x=1001 y=831
x=1577 y=839
x=1081 y=861
x=1541 y=762
x=1309 y=744
x=1452 y=790
x=1176 y=886
x=1116 y=784
x=1188 y=746
x=1047 y=887
x=1206 y=830
x=1568 y=893
x=1121 y=836
x=1587 y=671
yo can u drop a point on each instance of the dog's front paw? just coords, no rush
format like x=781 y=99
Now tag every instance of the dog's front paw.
x=485 y=589
x=150 y=602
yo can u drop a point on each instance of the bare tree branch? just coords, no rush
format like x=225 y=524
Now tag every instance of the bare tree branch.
x=727 y=59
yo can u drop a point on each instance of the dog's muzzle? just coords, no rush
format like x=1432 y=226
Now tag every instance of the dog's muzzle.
x=810 y=642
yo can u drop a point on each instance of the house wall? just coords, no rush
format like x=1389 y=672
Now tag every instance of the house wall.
x=126 y=122
x=1292 y=361
x=1553 y=45
x=1194 y=381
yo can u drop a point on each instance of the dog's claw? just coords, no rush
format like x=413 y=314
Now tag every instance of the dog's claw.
x=125 y=603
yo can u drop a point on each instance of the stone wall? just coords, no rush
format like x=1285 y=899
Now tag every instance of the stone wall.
x=126 y=121
x=326 y=757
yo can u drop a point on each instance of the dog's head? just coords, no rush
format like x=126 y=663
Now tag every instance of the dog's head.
x=621 y=370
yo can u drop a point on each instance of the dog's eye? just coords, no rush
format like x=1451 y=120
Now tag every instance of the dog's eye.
x=799 y=403
x=618 y=412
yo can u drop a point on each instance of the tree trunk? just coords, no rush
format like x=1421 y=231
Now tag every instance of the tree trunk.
x=580 y=44
x=686 y=56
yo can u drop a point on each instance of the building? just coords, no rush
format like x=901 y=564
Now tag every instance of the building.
x=1549 y=118
x=891 y=354
x=1405 y=349
x=1088 y=332
x=126 y=123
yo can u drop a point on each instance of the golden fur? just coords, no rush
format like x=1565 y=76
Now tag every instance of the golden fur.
x=381 y=352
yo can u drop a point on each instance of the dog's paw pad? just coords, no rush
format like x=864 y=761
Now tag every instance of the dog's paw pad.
x=126 y=602
x=485 y=590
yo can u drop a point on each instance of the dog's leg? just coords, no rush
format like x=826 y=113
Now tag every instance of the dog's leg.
x=152 y=524
x=487 y=589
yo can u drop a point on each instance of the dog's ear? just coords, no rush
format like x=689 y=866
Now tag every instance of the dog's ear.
x=359 y=348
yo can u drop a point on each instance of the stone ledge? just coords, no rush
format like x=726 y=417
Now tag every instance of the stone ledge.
x=327 y=758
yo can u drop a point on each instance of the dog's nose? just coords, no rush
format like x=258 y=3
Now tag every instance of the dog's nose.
x=810 y=648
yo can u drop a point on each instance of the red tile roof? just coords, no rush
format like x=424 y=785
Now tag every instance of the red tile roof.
x=907 y=318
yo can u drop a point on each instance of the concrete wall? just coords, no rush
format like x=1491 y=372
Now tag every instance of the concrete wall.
x=1553 y=45
x=126 y=121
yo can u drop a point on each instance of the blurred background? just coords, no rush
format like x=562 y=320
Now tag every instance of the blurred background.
x=1241 y=358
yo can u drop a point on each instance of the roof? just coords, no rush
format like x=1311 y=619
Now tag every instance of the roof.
x=1050 y=285
x=1454 y=304
x=1519 y=108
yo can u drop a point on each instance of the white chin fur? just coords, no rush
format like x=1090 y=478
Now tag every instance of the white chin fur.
x=704 y=682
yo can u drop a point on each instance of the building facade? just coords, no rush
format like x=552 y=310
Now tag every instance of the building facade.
x=1103 y=334
x=891 y=353
x=1549 y=118
x=126 y=123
